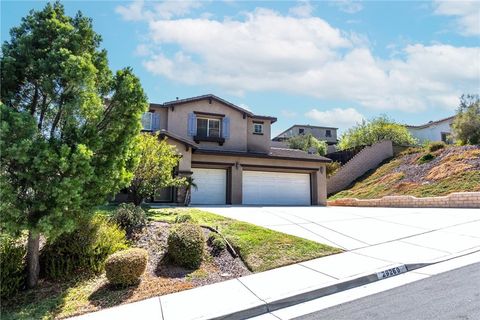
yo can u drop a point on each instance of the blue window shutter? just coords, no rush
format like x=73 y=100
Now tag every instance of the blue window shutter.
x=155 y=121
x=226 y=128
x=192 y=124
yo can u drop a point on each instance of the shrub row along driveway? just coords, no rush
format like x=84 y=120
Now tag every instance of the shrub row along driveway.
x=394 y=234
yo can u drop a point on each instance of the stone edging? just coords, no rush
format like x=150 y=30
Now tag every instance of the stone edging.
x=453 y=200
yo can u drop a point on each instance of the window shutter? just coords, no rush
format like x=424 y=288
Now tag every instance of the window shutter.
x=192 y=125
x=155 y=121
x=226 y=128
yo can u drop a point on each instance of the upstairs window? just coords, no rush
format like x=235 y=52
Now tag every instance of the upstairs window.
x=147 y=121
x=328 y=133
x=258 y=128
x=301 y=131
x=208 y=127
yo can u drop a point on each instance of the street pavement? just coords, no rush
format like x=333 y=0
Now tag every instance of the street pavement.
x=451 y=295
x=378 y=242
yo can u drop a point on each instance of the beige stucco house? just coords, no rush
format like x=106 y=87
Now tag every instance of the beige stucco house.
x=227 y=150
x=327 y=134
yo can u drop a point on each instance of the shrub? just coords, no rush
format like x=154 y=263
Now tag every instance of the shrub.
x=434 y=146
x=129 y=217
x=217 y=243
x=183 y=218
x=126 y=267
x=332 y=167
x=426 y=158
x=11 y=266
x=85 y=249
x=185 y=245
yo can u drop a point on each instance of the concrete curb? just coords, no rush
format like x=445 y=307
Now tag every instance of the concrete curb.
x=315 y=293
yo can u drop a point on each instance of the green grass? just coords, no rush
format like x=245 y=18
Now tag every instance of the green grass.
x=449 y=175
x=260 y=248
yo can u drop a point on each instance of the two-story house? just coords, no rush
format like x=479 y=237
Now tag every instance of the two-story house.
x=327 y=134
x=227 y=150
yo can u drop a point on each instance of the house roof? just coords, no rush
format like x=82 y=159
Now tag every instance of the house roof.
x=430 y=123
x=214 y=97
x=165 y=133
x=303 y=126
x=275 y=153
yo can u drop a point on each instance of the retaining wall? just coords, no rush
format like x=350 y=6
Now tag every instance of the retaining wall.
x=367 y=159
x=453 y=200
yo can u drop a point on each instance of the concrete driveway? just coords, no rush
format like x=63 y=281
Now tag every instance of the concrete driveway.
x=393 y=234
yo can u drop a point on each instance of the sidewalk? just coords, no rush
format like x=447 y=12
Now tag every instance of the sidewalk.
x=276 y=289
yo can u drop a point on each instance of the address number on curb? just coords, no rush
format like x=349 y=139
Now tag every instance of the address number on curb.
x=391 y=272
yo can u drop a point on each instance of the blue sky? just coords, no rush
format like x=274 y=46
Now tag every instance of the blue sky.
x=313 y=62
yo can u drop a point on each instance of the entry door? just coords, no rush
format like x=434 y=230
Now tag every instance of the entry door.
x=276 y=188
x=211 y=186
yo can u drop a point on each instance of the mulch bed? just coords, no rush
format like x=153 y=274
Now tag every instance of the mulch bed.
x=215 y=268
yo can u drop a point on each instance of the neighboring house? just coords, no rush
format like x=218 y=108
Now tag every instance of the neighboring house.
x=327 y=134
x=433 y=131
x=227 y=151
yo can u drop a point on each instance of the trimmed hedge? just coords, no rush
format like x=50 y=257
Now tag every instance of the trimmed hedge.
x=85 y=249
x=217 y=243
x=434 y=146
x=12 y=266
x=129 y=217
x=125 y=267
x=186 y=242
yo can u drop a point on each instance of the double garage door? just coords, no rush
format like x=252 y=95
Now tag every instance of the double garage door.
x=258 y=187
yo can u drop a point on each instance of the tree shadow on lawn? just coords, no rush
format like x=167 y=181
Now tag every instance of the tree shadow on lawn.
x=108 y=295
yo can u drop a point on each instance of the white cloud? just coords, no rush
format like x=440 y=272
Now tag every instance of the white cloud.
x=348 y=6
x=304 y=9
x=143 y=50
x=467 y=15
x=270 y=51
x=337 y=117
x=138 y=10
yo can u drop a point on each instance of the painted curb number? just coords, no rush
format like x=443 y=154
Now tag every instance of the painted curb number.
x=391 y=272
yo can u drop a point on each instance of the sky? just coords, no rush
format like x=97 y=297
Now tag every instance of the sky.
x=330 y=63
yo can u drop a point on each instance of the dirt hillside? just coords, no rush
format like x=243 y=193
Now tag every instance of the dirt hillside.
x=421 y=173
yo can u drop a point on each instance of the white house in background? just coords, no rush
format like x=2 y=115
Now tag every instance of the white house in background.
x=433 y=130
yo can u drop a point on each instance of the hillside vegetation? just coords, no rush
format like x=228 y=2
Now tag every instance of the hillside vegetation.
x=421 y=172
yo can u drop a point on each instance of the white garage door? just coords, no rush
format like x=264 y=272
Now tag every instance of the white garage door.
x=211 y=184
x=276 y=188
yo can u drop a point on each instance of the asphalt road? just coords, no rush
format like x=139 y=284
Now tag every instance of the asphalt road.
x=451 y=295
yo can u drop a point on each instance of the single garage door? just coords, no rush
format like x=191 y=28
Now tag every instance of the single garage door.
x=211 y=186
x=276 y=188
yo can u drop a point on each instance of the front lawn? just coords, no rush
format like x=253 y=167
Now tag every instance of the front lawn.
x=261 y=249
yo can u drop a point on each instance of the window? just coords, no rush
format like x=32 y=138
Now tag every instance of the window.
x=258 y=128
x=208 y=127
x=301 y=131
x=328 y=133
x=147 y=120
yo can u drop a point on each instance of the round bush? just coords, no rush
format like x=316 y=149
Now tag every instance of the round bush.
x=129 y=217
x=183 y=218
x=11 y=266
x=84 y=249
x=434 y=146
x=185 y=245
x=217 y=243
x=125 y=267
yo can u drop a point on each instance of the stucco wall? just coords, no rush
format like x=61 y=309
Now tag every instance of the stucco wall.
x=367 y=159
x=431 y=133
x=178 y=118
x=258 y=142
x=454 y=200
x=163 y=116
x=185 y=163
